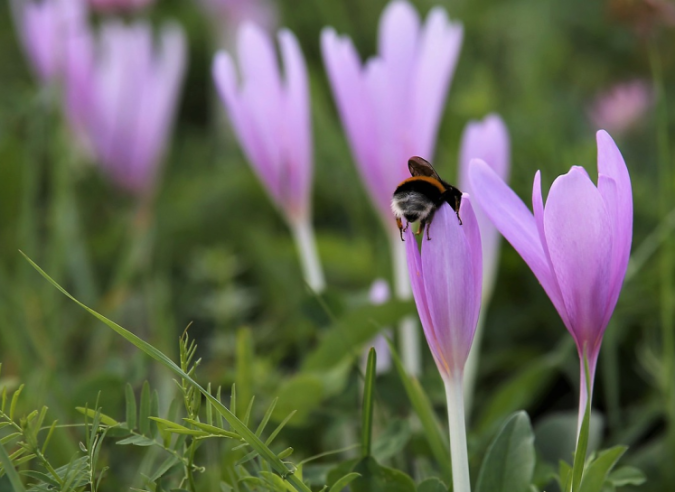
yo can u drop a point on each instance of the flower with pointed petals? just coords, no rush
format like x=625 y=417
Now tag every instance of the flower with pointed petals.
x=487 y=140
x=43 y=28
x=391 y=105
x=121 y=96
x=270 y=115
x=577 y=245
x=119 y=5
x=446 y=282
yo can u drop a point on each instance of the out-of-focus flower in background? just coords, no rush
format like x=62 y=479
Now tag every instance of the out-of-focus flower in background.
x=577 y=246
x=489 y=141
x=271 y=118
x=119 y=5
x=122 y=90
x=229 y=15
x=44 y=27
x=390 y=107
x=379 y=294
x=621 y=107
x=446 y=280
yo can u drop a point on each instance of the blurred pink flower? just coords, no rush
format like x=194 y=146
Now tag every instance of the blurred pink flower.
x=577 y=246
x=119 y=5
x=391 y=106
x=446 y=282
x=487 y=140
x=229 y=15
x=43 y=28
x=621 y=107
x=121 y=96
x=379 y=294
x=270 y=115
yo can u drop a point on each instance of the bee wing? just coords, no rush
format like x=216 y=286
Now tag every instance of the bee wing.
x=420 y=167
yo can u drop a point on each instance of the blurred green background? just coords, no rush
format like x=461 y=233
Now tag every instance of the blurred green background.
x=215 y=253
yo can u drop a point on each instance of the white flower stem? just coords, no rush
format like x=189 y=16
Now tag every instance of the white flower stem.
x=303 y=234
x=471 y=366
x=460 y=460
x=408 y=330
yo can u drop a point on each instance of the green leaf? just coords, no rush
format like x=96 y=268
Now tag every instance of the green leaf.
x=137 y=441
x=626 y=475
x=425 y=412
x=509 y=463
x=237 y=425
x=353 y=330
x=392 y=440
x=343 y=482
x=596 y=472
x=91 y=413
x=130 y=406
x=564 y=475
x=244 y=361
x=368 y=404
x=376 y=478
x=10 y=471
x=432 y=485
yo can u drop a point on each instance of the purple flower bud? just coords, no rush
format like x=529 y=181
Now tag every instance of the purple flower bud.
x=270 y=115
x=121 y=95
x=577 y=245
x=446 y=280
x=44 y=27
x=487 y=140
x=622 y=106
x=391 y=105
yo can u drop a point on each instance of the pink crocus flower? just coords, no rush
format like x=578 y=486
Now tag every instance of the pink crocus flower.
x=229 y=15
x=487 y=140
x=43 y=28
x=577 y=245
x=622 y=106
x=119 y=5
x=270 y=115
x=391 y=105
x=446 y=282
x=121 y=95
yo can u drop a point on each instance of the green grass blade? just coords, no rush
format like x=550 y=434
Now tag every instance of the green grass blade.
x=10 y=471
x=236 y=424
x=368 y=400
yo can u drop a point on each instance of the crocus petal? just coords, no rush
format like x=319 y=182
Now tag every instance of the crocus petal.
x=297 y=138
x=612 y=164
x=512 y=219
x=452 y=281
x=432 y=75
x=553 y=291
x=579 y=238
x=487 y=140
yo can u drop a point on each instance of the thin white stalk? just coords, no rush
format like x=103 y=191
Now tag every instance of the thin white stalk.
x=460 y=459
x=471 y=367
x=408 y=329
x=303 y=234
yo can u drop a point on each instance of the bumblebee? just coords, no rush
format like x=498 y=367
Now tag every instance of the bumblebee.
x=418 y=198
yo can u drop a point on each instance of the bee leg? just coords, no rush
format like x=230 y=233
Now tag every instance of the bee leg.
x=457 y=210
x=420 y=230
x=428 y=226
x=400 y=227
